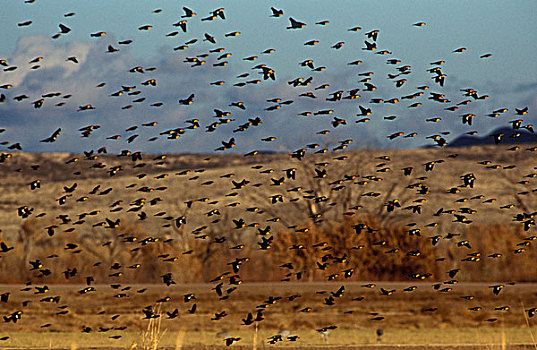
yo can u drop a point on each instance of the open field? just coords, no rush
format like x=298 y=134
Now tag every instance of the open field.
x=444 y=295
x=150 y=200
x=408 y=316
x=452 y=338
x=189 y=176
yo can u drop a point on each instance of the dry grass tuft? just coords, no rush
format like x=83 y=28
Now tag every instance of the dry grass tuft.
x=152 y=336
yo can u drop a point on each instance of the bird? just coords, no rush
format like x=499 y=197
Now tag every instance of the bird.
x=85 y=107
x=149 y=313
x=227 y=144
x=369 y=46
x=4 y=248
x=209 y=38
x=53 y=137
x=24 y=24
x=373 y=34
x=339 y=293
x=64 y=29
x=276 y=12
x=295 y=24
x=521 y=111
x=4 y=297
x=248 y=320
x=188 y=100
x=497 y=137
x=229 y=341
x=13 y=317
x=496 y=289
x=188 y=13
x=111 y=49
x=380 y=333
x=167 y=279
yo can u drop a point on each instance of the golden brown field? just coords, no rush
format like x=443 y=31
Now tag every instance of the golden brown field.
x=195 y=187
x=421 y=317
x=444 y=294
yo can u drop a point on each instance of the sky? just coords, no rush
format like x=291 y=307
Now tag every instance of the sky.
x=504 y=29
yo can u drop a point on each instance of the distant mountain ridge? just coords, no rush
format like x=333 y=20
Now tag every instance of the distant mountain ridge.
x=508 y=139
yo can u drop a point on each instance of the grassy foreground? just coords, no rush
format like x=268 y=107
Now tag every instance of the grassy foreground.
x=407 y=318
x=486 y=337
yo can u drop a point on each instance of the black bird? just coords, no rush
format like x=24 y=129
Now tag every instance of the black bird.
x=372 y=34
x=219 y=12
x=187 y=101
x=112 y=224
x=4 y=248
x=229 y=341
x=227 y=144
x=380 y=332
x=173 y=314
x=167 y=279
x=24 y=24
x=38 y=103
x=295 y=24
x=188 y=297
x=4 y=297
x=239 y=223
x=453 y=272
x=290 y=173
x=53 y=137
x=64 y=29
x=192 y=310
x=188 y=13
x=209 y=38
x=259 y=316
x=149 y=313
x=521 y=111
x=14 y=317
x=364 y=111
x=248 y=320
x=497 y=138
x=339 y=293
x=278 y=182
x=181 y=24
x=276 y=12
x=496 y=289
x=369 y=46
x=111 y=49
x=36 y=265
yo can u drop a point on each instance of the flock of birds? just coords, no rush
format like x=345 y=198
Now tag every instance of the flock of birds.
x=304 y=87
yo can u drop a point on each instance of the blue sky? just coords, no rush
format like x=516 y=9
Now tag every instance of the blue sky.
x=506 y=29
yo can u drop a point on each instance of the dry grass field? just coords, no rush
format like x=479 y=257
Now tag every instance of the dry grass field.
x=495 y=180
x=423 y=317
x=356 y=189
x=443 y=297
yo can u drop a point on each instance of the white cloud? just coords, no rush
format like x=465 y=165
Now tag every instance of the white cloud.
x=54 y=55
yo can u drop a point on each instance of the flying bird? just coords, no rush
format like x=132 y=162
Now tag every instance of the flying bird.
x=53 y=137
x=295 y=24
